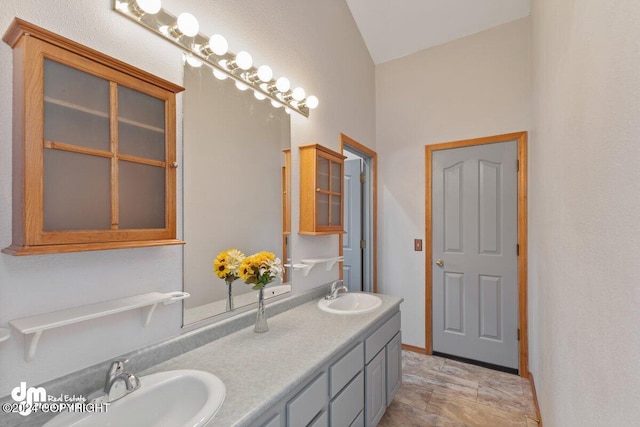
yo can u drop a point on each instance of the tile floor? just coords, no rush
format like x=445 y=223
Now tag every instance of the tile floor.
x=445 y=393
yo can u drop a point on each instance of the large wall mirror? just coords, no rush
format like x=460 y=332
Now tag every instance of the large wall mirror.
x=235 y=187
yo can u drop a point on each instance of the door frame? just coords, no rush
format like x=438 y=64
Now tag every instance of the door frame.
x=353 y=145
x=521 y=137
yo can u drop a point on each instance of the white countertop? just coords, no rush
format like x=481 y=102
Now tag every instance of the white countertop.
x=259 y=370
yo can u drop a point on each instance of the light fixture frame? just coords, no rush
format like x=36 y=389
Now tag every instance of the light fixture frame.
x=194 y=45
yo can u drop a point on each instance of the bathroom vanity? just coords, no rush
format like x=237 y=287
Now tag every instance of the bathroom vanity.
x=311 y=368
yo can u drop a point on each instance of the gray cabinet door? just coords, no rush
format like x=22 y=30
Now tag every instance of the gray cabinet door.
x=394 y=366
x=375 y=390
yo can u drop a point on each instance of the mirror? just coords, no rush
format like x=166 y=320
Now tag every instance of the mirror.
x=235 y=170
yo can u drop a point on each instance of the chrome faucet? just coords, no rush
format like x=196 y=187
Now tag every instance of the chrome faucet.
x=117 y=383
x=335 y=289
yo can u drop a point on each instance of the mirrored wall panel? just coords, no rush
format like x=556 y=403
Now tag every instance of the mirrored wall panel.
x=235 y=188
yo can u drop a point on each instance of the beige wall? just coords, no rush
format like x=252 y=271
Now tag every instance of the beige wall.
x=584 y=212
x=315 y=44
x=473 y=87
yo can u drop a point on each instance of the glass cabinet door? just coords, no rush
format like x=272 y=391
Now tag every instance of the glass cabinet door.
x=77 y=150
x=321 y=188
x=94 y=144
x=335 y=206
x=84 y=160
x=141 y=160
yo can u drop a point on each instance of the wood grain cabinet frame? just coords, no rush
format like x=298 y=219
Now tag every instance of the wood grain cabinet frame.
x=321 y=190
x=286 y=209
x=94 y=149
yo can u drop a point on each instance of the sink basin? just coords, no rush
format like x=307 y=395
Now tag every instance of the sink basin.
x=171 y=398
x=350 y=303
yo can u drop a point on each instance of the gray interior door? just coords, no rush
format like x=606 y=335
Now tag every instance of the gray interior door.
x=474 y=246
x=352 y=265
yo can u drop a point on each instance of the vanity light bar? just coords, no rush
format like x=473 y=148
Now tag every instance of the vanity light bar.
x=183 y=31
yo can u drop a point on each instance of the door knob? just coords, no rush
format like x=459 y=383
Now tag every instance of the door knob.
x=439 y=263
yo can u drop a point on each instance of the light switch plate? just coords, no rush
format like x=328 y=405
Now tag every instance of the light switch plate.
x=417 y=245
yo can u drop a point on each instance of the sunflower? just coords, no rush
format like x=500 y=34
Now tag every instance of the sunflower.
x=260 y=269
x=226 y=264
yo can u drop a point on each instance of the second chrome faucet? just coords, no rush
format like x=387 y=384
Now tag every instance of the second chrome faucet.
x=336 y=287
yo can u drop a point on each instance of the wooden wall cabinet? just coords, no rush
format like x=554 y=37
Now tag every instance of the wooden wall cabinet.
x=94 y=149
x=321 y=190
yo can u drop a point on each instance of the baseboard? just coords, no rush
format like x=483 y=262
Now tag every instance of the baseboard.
x=535 y=399
x=414 y=349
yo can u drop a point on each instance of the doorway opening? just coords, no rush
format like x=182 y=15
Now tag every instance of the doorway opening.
x=358 y=244
x=520 y=250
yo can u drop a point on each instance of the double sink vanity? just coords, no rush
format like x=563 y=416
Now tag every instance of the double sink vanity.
x=322 y=363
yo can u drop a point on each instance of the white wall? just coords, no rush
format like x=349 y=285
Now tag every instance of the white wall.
x=315 y=44
x=584 y=212
x=473 y=87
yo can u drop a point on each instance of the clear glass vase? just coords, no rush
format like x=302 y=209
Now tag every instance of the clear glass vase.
x=229 y=282
x=261 y=318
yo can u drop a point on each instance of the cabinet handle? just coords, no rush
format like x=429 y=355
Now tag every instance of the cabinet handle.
x=318 y=189
x=174 y=165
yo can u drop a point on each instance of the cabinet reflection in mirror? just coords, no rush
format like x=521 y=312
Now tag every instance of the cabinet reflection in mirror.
x=236 y=150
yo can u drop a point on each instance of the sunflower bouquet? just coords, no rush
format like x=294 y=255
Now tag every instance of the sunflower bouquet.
x=260 y=269
x=227 y=264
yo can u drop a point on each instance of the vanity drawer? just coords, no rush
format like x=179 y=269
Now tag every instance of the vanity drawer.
x=308 y=403
x=359 y=421
x=321 y=420
x=381 y=337
x=341 y=372
x=348 y=404
x=273 y=422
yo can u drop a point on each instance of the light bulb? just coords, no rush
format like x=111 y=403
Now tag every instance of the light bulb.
x=244 y=60
x=259 y=96
x=219 y=74
x=312 y=102
x=265 y=73
x=287 y=110
x=193 y=61
x=283 y=84
x=298 y=94
x=218 y=44
x=150 y=7
x=241 y=86
x=188 y=24
x=275 y=104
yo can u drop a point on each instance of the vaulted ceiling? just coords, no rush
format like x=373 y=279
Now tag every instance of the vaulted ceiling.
x=395 y=28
